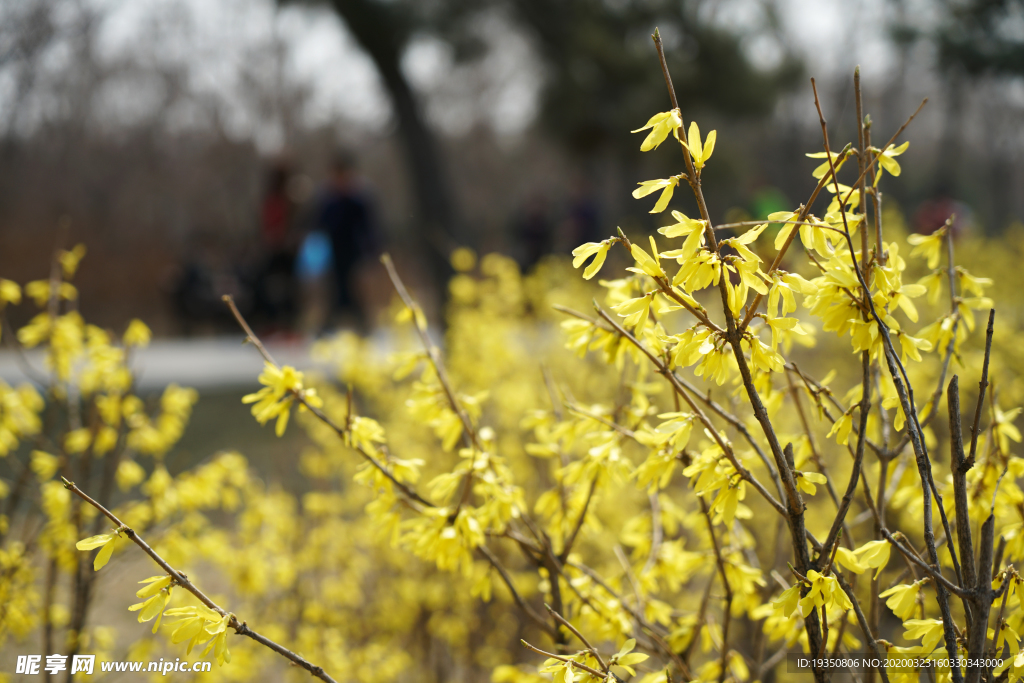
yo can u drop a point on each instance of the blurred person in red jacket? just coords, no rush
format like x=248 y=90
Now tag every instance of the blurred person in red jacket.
x=274 y=289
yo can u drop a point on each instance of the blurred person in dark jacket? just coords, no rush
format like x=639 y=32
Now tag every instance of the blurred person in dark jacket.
x=583 y=220
x=534 y=231
x=346 y=215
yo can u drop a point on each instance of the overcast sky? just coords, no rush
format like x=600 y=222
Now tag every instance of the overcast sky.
x=835 y=35
x=222 y=42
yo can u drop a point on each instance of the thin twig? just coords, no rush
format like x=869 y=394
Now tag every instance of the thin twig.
x=899 y=376
x=507 y=579
x=982 y=386
x=319 y=414
x=722 y=443
x=579 y=522
x=586 y=643
x=180 y=579
x=469 y=433
x=567 y=660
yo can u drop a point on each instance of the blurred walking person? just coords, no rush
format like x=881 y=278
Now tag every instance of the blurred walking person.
x=347 y=217
x=274 y=291
x=534 y=231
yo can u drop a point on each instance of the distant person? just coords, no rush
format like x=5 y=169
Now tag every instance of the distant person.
x=276 y=209
x=582 y=215
x=534 y=231
x=206 y=272
x=274 y=295
x=934 y=212
x=346 y=216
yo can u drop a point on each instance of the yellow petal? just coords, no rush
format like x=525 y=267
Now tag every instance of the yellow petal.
x=664 y=199
x=94 y=541
x=709 y=147
x=103 y=556
x=693 y=141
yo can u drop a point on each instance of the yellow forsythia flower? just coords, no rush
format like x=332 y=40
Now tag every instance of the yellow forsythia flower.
x=105 y=542
x=137 y=334
x=874 y=554
x=841 y=429
x=599 y=250
x=463 y=259
x=10 y=293
x=69 y=260
x=929 y=631
x=651 y=266
x=275 y=399
x=805 y=481
x=929 y=246
x=902 y=599
x=700 y=152
x=158 y=595
x=667 y=187
x=825 y=591
x=78 y=440
x=887 y=160
x=660 y=125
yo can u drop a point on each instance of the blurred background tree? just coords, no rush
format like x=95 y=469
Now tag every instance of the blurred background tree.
x=982 y=36
x=598 y=81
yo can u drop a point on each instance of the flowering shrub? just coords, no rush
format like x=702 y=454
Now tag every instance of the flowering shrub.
x=731 y=454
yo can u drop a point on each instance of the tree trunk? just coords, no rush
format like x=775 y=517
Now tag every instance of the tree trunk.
x=383 y=33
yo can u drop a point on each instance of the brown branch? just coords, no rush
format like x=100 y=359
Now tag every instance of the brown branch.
x=976 y=638
x=568 y=660
x=692 y=175
x=815 y=455
x=736 y=424
x=469 y=434
x=600 y=418
x=982 y=386
x=656 y=638
x=657 y=533
x=815 y=389
x=733 y=333
x=180 y=579
x=579 y=522
x=851 y=486
x=565 y=622
x=958 y=468
x=727 y=609
x=932 y=405
x=722 y=443
x=924 y=464
x=912 y=558
x=432 y=353
x=507 y=579
x=319 y=414
x=805 y=211
x=862 y=621
x=861 y=154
